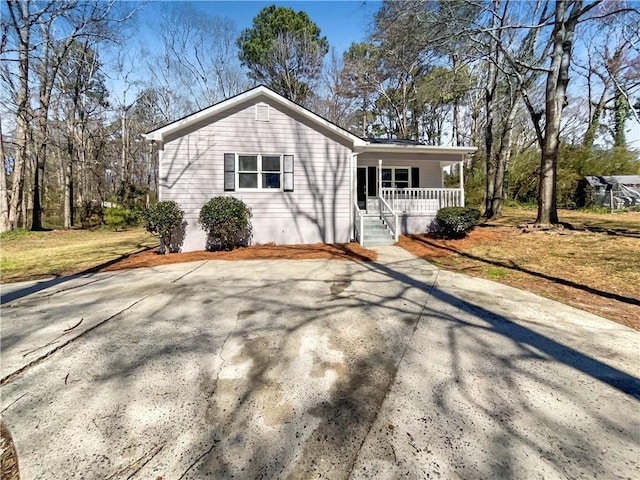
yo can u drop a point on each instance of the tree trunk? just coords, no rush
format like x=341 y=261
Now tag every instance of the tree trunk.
x=490 y=160
x=555 y=100
x=23 y=31
x=489 y=99
x=490 y=186
x=38 y=186
x=502 y=159
x=594 y=120
x=4 y=201
x=27 y=196
x=457 y=136
x=38 y=181
x=4 y=192
x=46 y=76
x=68 y=195
x=620 y=118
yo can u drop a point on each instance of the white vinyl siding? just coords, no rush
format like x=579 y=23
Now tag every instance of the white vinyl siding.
x=317 y=211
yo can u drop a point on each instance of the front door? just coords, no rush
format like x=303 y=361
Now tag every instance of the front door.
x=361 y=188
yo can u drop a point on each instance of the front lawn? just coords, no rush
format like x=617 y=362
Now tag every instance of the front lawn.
x=594 y=264
x=31 y=255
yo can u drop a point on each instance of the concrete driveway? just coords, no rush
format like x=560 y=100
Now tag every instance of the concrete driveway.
x=313 y=369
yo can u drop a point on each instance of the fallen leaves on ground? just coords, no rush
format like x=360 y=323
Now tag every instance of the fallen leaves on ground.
x=595 y=272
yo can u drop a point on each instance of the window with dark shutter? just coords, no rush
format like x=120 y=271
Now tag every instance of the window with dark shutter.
x=254 y=171
x=288 y=173
x=229 y=172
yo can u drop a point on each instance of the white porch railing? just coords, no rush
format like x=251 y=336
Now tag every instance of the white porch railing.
x=390 y=218
x=359 y=223
x=422 y=200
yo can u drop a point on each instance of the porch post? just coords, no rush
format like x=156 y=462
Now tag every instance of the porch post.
x=380 y=178
x=462 y=184
x=354 y=194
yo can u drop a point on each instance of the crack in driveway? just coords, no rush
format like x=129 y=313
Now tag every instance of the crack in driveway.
x=7 y=378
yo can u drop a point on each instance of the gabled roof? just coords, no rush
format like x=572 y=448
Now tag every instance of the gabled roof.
x=360 y=145
x=260 y=91
x=391 y=141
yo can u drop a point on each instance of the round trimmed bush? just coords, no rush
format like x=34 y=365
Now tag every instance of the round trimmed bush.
x=227 y=221
x=165 y=220
x=455 y=222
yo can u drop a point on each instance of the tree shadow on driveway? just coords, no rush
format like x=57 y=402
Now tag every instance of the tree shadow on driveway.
x=284 y=375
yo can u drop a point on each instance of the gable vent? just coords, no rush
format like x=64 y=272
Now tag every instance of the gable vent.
x=262 y=112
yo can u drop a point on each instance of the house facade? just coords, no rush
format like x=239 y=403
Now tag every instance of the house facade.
x=305 y=179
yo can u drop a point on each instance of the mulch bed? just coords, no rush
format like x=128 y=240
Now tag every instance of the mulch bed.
x=342 y=251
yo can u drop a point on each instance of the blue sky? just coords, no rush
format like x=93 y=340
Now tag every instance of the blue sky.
x=342 y=22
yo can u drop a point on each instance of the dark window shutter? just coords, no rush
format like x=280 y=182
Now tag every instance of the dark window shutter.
x=288 y=173
x=229 y=172
x=415 y=177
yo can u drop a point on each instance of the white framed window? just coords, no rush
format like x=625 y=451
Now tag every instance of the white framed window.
x=396 y=177
x=259 y=171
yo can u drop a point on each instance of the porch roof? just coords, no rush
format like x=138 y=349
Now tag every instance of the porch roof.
x=415 y=149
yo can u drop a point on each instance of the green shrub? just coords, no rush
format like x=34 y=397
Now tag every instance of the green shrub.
x=165 y=220
x=133 y=217
x=455 y=222
x=227 y=222
x=115 y=217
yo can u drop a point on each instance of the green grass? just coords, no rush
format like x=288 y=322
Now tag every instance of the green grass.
x=496 y=273
x=20 y=235
x=28 y=255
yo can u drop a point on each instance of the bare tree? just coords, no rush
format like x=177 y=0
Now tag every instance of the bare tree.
x=290 y=54
x=202 y=54
x=4 y=197
x=20 y=24
x=333 y=104
x=41 y=35
x=566 y=16
x=550 y=37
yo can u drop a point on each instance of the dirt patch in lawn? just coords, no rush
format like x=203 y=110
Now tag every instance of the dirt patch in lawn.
x=595 y=272
x=345 y=251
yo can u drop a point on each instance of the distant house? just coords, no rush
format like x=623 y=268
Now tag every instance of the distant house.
x=306 y=179
x=615 y=191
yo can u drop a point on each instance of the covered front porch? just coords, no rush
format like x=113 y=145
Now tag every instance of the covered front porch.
x=399 y=188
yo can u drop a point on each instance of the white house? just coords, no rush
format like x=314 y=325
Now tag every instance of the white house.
x=305 y=179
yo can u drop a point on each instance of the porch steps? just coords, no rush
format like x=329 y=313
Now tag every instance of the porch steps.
x=376 y=232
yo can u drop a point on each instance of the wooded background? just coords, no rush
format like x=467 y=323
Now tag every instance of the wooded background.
x=547 y=90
